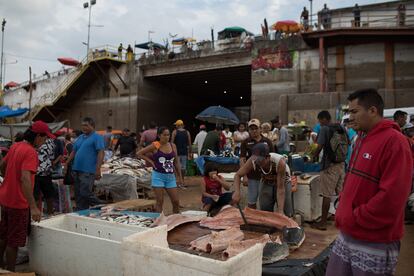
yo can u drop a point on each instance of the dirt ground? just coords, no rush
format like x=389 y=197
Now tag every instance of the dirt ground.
x=405 y=265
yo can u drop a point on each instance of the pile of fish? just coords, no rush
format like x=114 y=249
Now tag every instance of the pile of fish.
x=124 y=219
x=129 y=166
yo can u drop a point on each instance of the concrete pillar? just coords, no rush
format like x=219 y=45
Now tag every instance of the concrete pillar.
x=340 y=69
x=389 y=65
x=283 y=109
x=140 y=91
x=322 y=70
x=389 y=73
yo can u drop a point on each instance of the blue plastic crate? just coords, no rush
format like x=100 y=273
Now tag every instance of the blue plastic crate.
x=311 y=167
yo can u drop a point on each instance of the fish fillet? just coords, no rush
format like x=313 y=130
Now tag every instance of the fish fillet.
x=236 y=247
x=217 y=241
x=230 y=216
x=174 y=220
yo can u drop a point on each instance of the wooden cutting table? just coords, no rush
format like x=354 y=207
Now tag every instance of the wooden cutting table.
x=315 y=242
x=138 y=205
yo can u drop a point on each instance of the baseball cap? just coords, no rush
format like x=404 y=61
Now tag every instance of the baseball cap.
x=254 y=122
x=41 y=127
x=260 y=151
x=202 y=126
x=179 y=122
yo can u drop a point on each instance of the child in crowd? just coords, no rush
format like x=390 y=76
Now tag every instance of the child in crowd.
x=212 y=189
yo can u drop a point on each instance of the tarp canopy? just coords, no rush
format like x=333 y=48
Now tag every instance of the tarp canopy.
x=68 y=61
x=10 y=130
x=11 y=84
x=287 y=26
x=6 y=111
x=230 y=32
x=149 y=45
x=183 y=40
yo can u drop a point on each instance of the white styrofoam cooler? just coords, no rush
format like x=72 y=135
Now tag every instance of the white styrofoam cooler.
x=76 y=245
x=147 y=253
x=307 y=198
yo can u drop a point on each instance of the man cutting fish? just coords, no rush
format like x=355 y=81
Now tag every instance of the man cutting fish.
x=275 y=183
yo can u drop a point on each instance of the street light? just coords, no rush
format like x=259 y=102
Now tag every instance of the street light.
x=3 y=24
x=85 y=6
x=5 y=63
x=310 y=12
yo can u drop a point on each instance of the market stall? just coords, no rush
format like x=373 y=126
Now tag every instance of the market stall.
x=125 y=178
x=226 y=164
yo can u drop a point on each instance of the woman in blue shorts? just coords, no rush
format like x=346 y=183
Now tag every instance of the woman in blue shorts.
x=165 y=163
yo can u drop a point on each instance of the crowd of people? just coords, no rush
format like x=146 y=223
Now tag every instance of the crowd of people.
x=374 y=153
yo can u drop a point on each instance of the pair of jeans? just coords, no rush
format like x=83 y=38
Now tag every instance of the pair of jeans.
x=84 y=196
x=268 y=197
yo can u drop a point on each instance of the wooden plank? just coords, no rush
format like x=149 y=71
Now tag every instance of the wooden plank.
x=315 y=242
x=134 y=204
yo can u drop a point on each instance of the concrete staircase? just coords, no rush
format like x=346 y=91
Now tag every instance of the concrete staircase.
x=95 y=55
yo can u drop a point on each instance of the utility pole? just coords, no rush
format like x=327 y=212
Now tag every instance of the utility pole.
x=89 y=5
x=3 y=24
x=30 y=95
x=310 y=14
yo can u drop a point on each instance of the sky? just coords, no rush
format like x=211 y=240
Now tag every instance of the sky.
x=37 y=32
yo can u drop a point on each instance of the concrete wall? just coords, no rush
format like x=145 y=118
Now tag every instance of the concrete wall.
x=404 y=67
x=104 y=104
x=364 y=66
x=305 y=107
x=43 y=91
x=269 y=84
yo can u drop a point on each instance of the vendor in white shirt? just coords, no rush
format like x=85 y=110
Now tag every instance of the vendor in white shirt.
x=275 y=186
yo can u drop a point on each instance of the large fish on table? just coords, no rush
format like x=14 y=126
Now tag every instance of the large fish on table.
x=230 y=217
x=236 y=247
x=174 y=220
x=217 y=241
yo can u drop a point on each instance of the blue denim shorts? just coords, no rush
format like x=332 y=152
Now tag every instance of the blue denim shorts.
x=163 y=180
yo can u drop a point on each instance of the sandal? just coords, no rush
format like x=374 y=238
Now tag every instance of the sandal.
x=319 y=226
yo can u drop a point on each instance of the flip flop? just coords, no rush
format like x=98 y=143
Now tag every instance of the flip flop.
x=318 y=226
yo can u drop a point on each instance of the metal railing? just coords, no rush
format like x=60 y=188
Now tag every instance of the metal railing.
x=107 y=51
x=367 y=19
x=196 y=50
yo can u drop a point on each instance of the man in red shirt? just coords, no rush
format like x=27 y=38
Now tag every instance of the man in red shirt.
x=16 y=193
x=370 y=215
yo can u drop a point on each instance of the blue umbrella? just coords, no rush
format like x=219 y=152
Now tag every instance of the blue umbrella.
x=218 y=115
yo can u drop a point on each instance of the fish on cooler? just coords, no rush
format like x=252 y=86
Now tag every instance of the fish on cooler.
x=124 y=219
x=236 y=247
x=217 y=241
x=174 y=220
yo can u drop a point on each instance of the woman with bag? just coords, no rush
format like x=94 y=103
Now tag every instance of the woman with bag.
x=166 y=165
